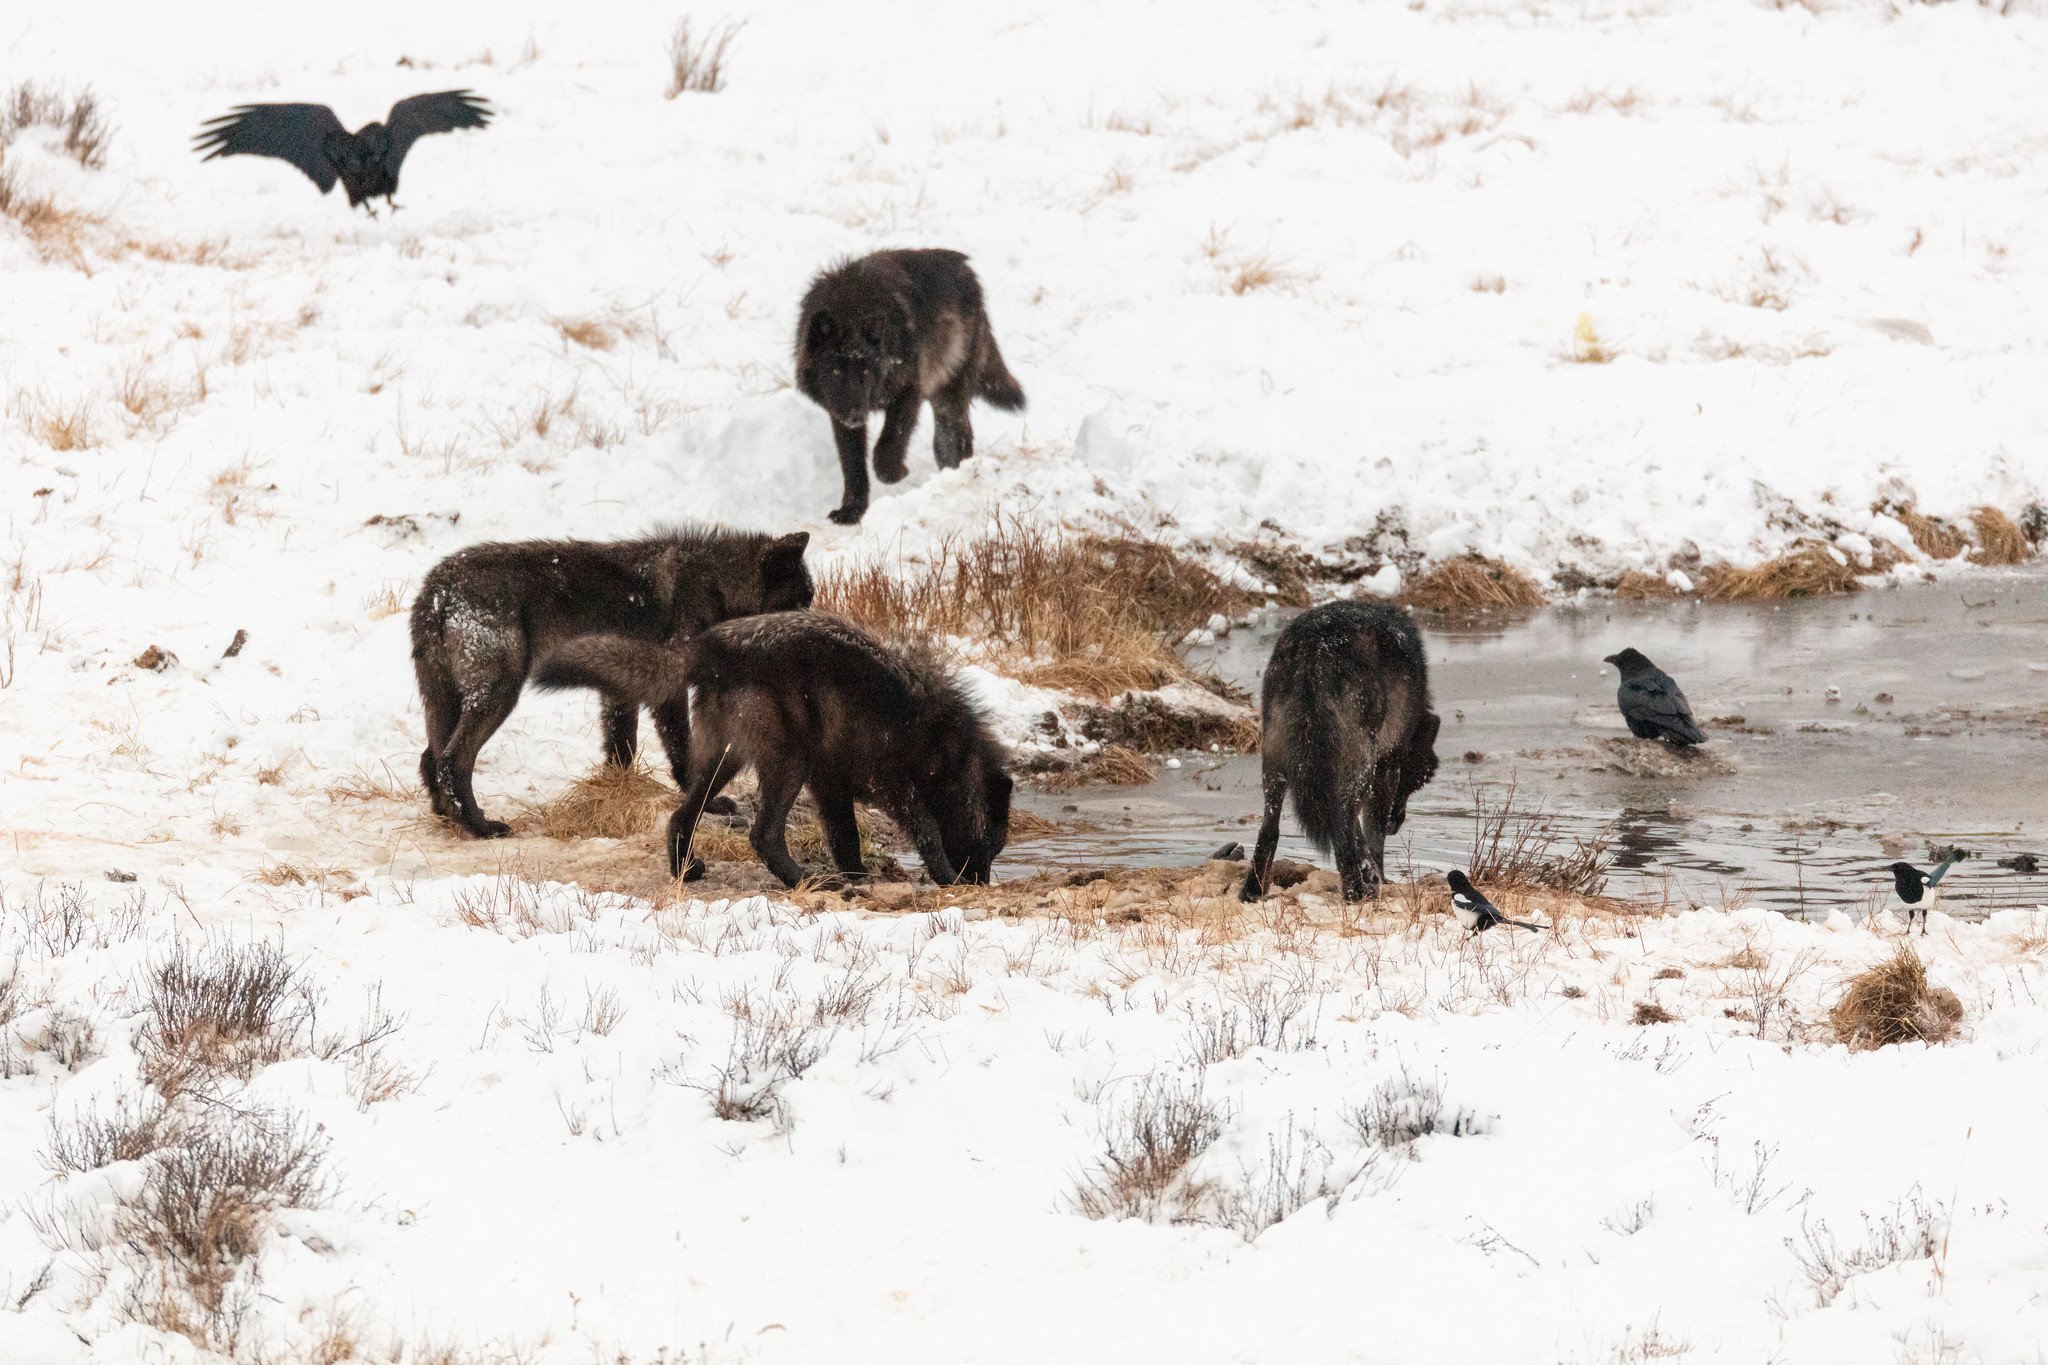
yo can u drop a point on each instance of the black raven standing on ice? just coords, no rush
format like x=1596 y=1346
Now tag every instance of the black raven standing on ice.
x=312 y=138
x=1918 y=889
x=1474 y=910
x=1651 y=702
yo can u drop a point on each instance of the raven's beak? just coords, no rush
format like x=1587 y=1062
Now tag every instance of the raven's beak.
x=1610 y=658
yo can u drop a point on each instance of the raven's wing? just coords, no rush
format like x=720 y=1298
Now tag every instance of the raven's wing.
x=296 y=133
x=1659 y=702
x=441 y=112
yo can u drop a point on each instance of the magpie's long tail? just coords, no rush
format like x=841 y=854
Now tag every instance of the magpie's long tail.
x=1934 y=877
x=1524 y=924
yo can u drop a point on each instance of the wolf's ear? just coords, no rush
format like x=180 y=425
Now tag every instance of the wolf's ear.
x=785 y=551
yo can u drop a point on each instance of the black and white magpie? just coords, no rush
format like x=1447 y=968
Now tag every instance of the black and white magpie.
x=1651 y=702
x=1919 y=889
x=1475 y=911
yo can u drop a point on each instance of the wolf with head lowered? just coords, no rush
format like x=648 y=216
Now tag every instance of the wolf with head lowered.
x=888 y=333
x=810 y=700
x=485 y=616
x=1347 y=727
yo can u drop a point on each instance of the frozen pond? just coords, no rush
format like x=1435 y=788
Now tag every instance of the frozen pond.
x=1939 y=735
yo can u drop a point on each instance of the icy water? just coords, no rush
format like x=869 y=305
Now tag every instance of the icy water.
x=1939 y=735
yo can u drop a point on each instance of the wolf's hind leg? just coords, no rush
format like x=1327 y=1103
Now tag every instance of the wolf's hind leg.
x=780 y=783
x=456 y=764
x=621 y=731
x=1269 y=839
x=672 y=723
x=442 y=706
x=842 y=830
x=891 y=446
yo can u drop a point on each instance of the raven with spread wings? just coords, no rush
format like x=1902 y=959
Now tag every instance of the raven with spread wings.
x=312 y=138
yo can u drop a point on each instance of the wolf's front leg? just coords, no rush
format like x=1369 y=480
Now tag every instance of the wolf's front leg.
x=853 y=471
x=891 y=447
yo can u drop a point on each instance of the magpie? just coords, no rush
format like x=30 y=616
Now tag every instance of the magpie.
x=1651 y=702
x=1475 y=911
x=1917 y=888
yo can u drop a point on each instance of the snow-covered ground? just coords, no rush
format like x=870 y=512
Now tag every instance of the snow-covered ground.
x=1321 y=273
x=542 y=1176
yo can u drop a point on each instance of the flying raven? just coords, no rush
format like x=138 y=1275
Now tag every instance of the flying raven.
x=1651 y=702
x=312 y=138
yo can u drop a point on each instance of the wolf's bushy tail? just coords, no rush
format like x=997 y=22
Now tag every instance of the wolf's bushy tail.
x=995 y=385
x=633 y=669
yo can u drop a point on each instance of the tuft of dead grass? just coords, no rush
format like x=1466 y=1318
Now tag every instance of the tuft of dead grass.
x=1893 y=1003
x=1636 y=586
x=1147 y=724
x=83 y=125
x=697 y=63
x=1810 y=569
x=1649 y=1012
x=1089 y=613
x=1471 y=584
x=1933 y=536
x=1114 y=765
x=1999 y=538
x=1516 y=846
x=609 y=802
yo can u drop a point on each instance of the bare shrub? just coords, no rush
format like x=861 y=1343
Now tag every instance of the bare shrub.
x=88 y=1140
x=1405 y=1108
x=1521 y=847
x=203 y=1208
x=221 y=1011
x=1907 y=1233
x=1088 y=613
x=773 y=1043
x=1630 y=1219
x=78 y=118
x=1893 y=1003
x=698 y=63
x=1471 y=584
x=1765 y=986
x=70 y=1037
x=1297 y=1172
x=1148 y=1145
x=1271 y=1013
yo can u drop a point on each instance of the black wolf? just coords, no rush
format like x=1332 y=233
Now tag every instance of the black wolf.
x=807 y=699
x=1347 y=725
x=312 y=138
x=885 y=333
x=485 y=615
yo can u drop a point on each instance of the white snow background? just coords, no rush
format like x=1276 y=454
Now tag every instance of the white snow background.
x=1277 y=269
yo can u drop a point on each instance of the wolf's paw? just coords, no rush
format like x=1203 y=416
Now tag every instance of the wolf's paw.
x=721 y=805
x=490 y=829
x=891 y=469
x=847 y=516
x=1249 y=892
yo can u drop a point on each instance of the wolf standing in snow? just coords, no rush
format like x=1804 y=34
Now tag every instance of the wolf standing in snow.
x=807 y=699
x=1347 y=725
x=887 y=333
x=485 y=615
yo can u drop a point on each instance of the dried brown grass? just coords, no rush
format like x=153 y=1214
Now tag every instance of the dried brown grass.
x=697 y=63
x=1999 y=538
x=610 y=802
x=1471 y=584
x=1893 y=1003
x=1114 y=765
x=1808 y=570
x=1636 y=586
x=1933 y=536
x=1089 y=613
